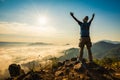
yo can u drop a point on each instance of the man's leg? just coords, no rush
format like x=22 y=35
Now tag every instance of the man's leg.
x=81 y=45
x=89 y=45
x=81 y=52
x=90 y=54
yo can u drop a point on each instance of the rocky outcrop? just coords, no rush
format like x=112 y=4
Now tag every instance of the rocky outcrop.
x=67 y=70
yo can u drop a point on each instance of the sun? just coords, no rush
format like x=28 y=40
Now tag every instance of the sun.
x=42 y=20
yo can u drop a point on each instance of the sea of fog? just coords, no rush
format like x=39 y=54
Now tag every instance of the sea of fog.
x=25 y=54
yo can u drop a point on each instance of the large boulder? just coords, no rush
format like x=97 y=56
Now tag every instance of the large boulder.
x=14 y=70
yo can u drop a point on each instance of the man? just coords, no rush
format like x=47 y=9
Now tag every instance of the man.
x=85 y=36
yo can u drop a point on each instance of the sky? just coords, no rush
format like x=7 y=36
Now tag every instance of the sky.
x=50 y=21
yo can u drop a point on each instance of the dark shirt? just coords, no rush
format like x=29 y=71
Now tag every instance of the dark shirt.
x=84 y=27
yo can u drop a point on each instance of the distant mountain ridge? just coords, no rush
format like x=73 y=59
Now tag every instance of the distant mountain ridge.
x=23 y=43
x=113 y=42
x=13 y=43
x=40 y=43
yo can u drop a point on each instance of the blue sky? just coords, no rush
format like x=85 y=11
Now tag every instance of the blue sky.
x=20 y=20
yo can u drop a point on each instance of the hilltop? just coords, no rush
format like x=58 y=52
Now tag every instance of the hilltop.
x=67 y=70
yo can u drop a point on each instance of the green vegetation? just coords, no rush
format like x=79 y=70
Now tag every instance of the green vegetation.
x=111 y=63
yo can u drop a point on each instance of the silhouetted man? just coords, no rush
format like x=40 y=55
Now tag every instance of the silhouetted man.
x=85 y=35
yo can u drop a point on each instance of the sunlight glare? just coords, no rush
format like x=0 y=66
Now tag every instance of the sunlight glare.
x=42 y=20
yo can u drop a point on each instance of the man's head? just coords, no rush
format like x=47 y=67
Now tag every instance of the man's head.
x=85 y=19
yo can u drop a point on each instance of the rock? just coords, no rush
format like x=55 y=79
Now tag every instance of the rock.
x=35 y=76
x=16 y=73
x=76 y=62
x=74 y=59
x=79 y=68
x=63 y=68
x=59 y=73
x=67 y=70
x=66 y=61
x=60 y=64
x=111 y=70
x=59 y=68
x=69 y=65
x=65 y=79
x=14 y=70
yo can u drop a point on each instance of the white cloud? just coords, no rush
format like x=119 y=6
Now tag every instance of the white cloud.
x=22 y=55
x=26 y=29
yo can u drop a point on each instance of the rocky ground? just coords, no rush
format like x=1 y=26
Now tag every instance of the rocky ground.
x=69 y=70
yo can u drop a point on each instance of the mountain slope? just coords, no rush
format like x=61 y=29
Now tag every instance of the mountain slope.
x=114 y=52
x=72 y=52
x=100 y=49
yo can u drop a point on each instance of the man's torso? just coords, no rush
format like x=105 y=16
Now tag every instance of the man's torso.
x=84 y=27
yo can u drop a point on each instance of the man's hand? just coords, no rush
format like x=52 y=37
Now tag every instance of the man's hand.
x=93 y=15
x=71 y=13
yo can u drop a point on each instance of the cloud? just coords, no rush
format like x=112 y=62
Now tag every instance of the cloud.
x=5 y=60
x=25 y=29
x=23 y=55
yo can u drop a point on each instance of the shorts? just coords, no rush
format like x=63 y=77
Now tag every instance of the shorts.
x=85 y=41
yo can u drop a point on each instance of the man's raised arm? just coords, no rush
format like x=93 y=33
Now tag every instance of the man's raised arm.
x=92 y=17
x=71 y=13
